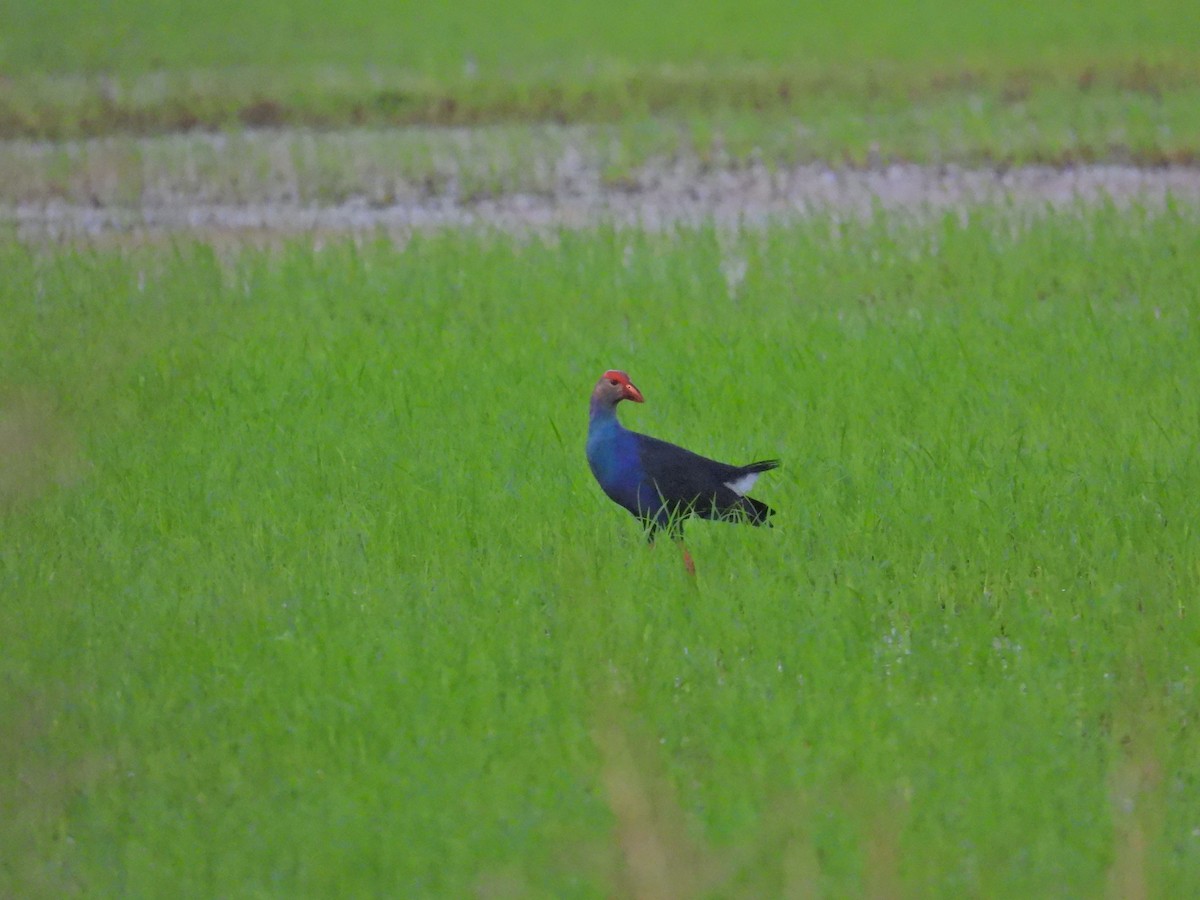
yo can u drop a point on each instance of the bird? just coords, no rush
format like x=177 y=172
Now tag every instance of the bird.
x=660 y=483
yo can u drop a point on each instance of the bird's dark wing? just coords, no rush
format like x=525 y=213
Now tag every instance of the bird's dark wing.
x=689 y=482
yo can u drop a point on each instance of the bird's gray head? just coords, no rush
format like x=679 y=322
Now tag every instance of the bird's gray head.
x=613 y=387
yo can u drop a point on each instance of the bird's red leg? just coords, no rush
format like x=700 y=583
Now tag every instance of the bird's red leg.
x=688 y=562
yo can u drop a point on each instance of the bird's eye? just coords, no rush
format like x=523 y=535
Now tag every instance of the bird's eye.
x=613 y=382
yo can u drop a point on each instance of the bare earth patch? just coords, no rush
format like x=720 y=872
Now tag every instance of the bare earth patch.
x=294 y=183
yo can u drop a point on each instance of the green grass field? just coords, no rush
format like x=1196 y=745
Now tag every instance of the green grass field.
x=139 y=36
x=307 y=590
x=1058 y=81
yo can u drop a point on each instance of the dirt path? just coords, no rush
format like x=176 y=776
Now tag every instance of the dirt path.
x=656 y=197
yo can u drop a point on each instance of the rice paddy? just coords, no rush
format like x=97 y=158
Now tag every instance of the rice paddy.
x=306 y=589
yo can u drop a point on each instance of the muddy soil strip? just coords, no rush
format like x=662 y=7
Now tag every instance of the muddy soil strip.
x=658 y=197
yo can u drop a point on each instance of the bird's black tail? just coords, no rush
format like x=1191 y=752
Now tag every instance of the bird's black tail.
x=763 y=465
x=757 y=512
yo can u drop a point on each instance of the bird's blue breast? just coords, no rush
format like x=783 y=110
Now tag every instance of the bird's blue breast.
x=612 y=453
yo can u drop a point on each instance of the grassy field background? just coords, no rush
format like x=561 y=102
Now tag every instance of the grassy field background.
x=136 y=67
x=307 y=589
x=132 y=36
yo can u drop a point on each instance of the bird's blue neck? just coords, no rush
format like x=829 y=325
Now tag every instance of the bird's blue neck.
x=602 y=413
x=604 y=429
